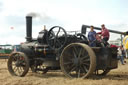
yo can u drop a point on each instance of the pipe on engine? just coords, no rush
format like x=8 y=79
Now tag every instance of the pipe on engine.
x=28 y=28
x=84 y=27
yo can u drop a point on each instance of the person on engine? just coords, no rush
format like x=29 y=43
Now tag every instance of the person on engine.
x=104 y=34
x=92 y=37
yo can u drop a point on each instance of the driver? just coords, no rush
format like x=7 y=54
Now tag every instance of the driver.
x=104 y=34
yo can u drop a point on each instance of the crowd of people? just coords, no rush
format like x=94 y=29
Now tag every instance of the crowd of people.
x=104 y=37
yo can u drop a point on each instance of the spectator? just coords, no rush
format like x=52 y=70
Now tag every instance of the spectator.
x=125 y=44
x=92 y=37
x=120 y=54
x=104 y=34
x=123 y=51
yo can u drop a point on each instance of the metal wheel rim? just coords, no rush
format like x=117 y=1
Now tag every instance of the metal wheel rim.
x=87 y=69
x=18 y=64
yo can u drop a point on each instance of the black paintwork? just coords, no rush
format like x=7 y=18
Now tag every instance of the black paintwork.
x=38 y=50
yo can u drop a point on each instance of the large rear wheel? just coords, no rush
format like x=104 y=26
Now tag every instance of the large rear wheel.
x=18 y=64
x=78 y=60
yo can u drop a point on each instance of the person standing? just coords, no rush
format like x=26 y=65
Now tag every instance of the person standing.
x=120 y=54
x=92 y=37
x=125 y=44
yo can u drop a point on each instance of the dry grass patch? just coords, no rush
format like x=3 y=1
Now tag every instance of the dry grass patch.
x=115 y=77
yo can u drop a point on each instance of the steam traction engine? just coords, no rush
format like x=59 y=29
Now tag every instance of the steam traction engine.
x=55 y=50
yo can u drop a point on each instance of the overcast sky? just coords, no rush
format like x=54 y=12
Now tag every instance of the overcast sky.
x=70 y=14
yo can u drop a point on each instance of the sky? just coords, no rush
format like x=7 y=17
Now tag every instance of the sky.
x=69 y=14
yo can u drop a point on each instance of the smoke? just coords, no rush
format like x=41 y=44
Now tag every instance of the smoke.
x=33 y=14
x=44 y=18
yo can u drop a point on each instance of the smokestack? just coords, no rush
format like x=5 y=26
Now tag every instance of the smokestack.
x=28 y=28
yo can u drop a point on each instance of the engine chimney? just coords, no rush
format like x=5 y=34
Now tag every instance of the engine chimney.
x=28 y=28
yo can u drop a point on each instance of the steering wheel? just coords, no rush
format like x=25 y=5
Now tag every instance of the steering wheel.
x=56 y=37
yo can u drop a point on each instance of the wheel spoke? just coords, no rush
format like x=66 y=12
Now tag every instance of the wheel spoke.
x=85 y=57
x=21 y=69
x=87 y=60
x=51 y=35
x=58 y=32
x=14 y=68
x=58 y=42
x=80 y=53
x=74 y=47
x=82 y=69
x=74 y=53
x=19 y=72
x=72 y=69
x=87 y=64
x=85 y=69
x=79 y=73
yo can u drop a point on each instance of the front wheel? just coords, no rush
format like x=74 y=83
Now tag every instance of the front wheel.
x=18 y=64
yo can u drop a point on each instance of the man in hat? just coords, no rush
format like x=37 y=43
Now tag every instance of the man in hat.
x=104 y=34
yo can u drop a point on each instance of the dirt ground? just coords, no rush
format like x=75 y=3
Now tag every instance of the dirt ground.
x=115 y=77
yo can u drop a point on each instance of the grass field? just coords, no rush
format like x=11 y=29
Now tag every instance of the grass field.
x=115 y=77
